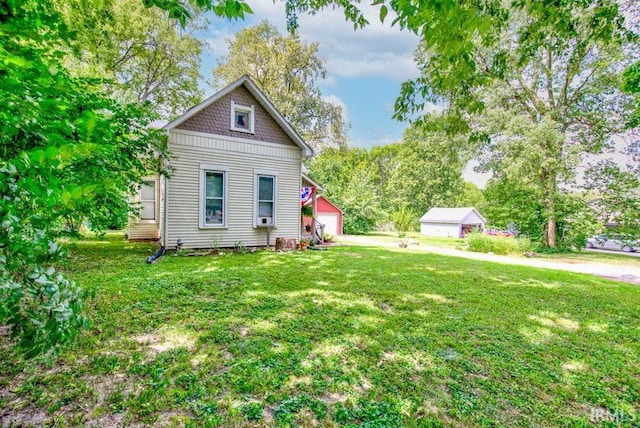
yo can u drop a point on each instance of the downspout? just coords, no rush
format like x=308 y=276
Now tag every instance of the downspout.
x=165 y=215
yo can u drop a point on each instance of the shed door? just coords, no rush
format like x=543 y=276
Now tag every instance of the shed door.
x=330 y=221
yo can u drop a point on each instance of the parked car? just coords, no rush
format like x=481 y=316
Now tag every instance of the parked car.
x=612 y=243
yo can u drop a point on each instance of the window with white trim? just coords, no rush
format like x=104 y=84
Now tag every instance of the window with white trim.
x=213 y=211
x=148 y=206
x=242 y=118
x=266 y=200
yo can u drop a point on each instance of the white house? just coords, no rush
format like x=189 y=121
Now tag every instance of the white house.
x=452 y=222
x=236 y=168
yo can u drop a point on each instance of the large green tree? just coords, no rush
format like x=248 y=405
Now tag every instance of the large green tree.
x=288 y=71
x=147 y=56
x=423 y=171
x=550 y=97
x=66 y=151
x=351 y=183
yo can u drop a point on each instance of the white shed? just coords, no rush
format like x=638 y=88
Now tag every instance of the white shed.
x=452 y=222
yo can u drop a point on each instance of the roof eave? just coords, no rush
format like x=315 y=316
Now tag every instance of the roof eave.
x=307 y=152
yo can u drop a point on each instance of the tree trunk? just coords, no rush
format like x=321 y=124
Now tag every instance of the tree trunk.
x=551 y=194
x=551 y=231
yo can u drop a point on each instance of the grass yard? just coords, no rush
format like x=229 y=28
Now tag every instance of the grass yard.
x=613 y=258
x=607 y=257
x=430 y=241
x=350 y=336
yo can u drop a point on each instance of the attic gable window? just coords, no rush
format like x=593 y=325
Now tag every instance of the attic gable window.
x=242 y=118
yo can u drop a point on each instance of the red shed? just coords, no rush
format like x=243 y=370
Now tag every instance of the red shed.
x=327 y=214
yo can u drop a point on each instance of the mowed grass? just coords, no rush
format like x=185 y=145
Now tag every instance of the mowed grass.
x=614 y=258
x=351 y=336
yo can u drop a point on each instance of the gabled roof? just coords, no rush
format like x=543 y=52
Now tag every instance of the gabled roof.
x=449 y=215
x=306 y=178
x=331 y=203
x=262 y=99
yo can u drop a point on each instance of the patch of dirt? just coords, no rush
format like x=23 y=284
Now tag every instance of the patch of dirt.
x=384 y=306
x=333 y=398
x=165 y=340
x=26 y=417
x=356 y=255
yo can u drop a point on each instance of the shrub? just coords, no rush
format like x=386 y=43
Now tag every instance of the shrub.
x=482 y=243
x=405 y=220
x=356 y=224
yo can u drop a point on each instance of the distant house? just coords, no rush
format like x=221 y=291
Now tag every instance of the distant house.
x=451 y=222
x=327 y=214
x=236 y=171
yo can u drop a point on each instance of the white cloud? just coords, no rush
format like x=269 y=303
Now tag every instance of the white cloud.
x=379 y=138
x=336 y=100
x=216 y=41
x=378 y=50
x=478 y=178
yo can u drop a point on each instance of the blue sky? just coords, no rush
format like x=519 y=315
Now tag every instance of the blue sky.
x=365 y=67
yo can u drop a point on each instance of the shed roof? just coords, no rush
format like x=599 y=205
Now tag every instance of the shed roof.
x=449 y=215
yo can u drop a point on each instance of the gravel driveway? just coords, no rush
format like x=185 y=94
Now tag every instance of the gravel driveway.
x=630 y=274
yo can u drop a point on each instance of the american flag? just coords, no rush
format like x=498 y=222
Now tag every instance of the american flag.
x=305 y=194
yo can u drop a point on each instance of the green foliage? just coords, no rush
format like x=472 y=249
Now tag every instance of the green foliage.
x=619 y=197
x=306 y=210
x=288 y=71
x=252 y=411
x=361 y=346
x=146 y=56
x=423 y=171
x=631 y=85
x=369 y=413
x=471 y=196
x=355 y=223
x=508 y=202
x=546 y=99
x=182 y=11
x=349 y=182
x=67 y=153
x=403 y=179
x=405 y=220
x=483 y=243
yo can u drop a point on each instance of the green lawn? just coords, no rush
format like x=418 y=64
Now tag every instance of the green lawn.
x=609 y=257
x=348 y=336
x=431 y=241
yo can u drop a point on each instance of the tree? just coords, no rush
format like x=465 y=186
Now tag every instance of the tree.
x=146 y=56
x=618 y=190
x=287 y=70
x=65 y=149
x=631 y=85
x=424 y=177
x=548 y=100
x=471 y=196
x=349 y=180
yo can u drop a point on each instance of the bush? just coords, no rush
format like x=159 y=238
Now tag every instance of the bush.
x=405 y=220
x=356 y=224
x=482 y=243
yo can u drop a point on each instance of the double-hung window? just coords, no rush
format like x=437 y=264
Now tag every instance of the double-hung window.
x=213 y=199
x=148 y=207
x=266 y=199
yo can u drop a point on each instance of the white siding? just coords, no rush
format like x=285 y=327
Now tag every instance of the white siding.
x=145 y=229
x=440 y=229
x=241 y=158
x=473 y=218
